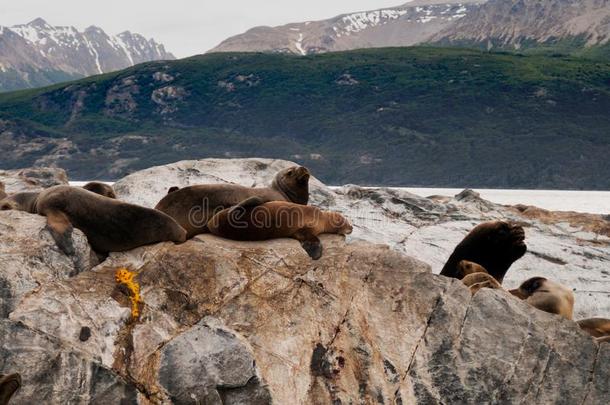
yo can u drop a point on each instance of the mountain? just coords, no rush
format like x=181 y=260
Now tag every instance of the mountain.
x=409 y=24
x=518 y=24
x=38 y=54
x=579 y=27
x=390 y=116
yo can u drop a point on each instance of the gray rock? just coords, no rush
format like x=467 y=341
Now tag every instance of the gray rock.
x=210 y=364
x=32 y=179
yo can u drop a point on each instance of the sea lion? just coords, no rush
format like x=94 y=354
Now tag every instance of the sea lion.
x=100 y=188
x=254 y=220
x=546 y=296
x=466 y=267
x=476 y=281
x=110 y=225
x=193 y=206
x=493 y=245
x=599 y=328
x=9 y=384
x=26 y=200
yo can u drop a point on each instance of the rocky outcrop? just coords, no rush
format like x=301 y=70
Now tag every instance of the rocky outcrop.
x=572 y=249
x=32 y=179
x=230 y=322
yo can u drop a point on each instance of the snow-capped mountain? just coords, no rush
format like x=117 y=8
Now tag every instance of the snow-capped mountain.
x=521 y=23
x=38 y=53
x=405 y=25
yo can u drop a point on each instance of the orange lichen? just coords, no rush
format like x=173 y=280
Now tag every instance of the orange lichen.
x=126 y=277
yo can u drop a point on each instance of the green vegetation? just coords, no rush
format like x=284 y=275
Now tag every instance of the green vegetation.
x=396 y=116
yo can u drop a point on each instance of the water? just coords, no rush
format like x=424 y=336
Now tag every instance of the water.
x=593 y=202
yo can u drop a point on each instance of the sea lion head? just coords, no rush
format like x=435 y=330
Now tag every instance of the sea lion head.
x=337 y=223
x=466 y=267
x=528 y=287
x=7 y=205
x=100 y=188
x=293 y=182
x=546 y=296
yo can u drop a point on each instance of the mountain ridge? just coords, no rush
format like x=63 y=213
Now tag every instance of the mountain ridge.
x=37 y=53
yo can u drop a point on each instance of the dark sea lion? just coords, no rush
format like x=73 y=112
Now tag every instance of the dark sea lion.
x=255 y=220
x=172 y=189
x=9 y=384
x=547 y=296
x=110 y=225
x=493 y=245
x=193 y=206
x=100 y=188
x=476 y=281
x=597 y=327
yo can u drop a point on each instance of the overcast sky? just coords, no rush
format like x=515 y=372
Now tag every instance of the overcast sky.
x=185 y=27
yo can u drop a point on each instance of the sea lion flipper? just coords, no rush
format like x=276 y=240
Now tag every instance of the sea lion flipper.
x=60 y=228
x=238 y=210
x=310 y=242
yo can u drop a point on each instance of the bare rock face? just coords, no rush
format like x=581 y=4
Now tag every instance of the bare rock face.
x=260 y=323
x=32 y=179
x=226 y=322
x=30 y=258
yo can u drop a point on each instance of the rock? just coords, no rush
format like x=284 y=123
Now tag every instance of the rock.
x=259 y=323
x=32 y=179
x=570 y=248
x=55 y=374
x=29 y=257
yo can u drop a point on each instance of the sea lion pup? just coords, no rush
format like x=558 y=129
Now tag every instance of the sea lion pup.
x=465 y=267
x=9 y=384
x=599 y=328
x=100 y=188
x=546 y=296
x=193 y=206
x=255 y=219
x=110 y=225
x=476 y=281
x=494 y=245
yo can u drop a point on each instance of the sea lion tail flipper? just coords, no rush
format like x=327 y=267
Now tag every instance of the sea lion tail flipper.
x=9 y=384
x=238 y=210
x=60 y=228
x=310 y=242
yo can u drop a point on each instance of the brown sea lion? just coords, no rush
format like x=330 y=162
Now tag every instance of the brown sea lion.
x=193 y=206
x=465 y=268
x=476 y=281
x=100 y=188
x=110 y=225
x=254 y=220
x=599 y=328
x=493 y=245
x=546 y=296
x=26 y=201
x=9 y=384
